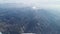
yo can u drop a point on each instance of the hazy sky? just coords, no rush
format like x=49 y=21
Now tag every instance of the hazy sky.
x=49 y=3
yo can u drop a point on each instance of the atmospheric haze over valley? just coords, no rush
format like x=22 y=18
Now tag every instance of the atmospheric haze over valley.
x=30 y=16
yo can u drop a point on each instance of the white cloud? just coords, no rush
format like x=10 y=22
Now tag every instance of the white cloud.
x=42 y=3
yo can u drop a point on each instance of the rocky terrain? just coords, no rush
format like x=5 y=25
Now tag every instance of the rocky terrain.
x=27 y=20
